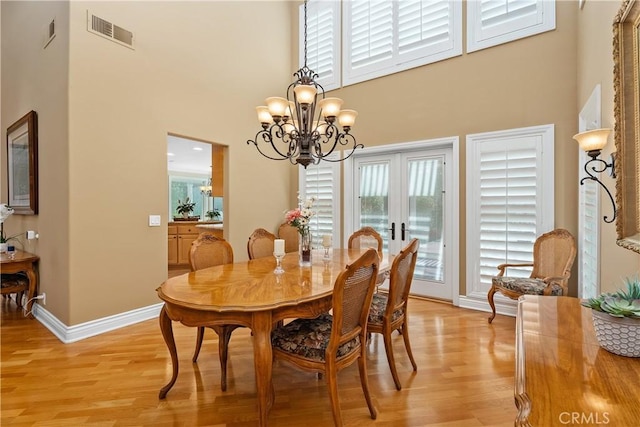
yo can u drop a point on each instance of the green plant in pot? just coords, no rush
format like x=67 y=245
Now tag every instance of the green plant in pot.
x=616 y=319
x=185 y=208
x=213 y=214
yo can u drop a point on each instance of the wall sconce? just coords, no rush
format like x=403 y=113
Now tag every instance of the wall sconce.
x=593 y=141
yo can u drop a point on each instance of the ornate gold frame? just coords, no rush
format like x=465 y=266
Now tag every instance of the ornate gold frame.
x=626 y=82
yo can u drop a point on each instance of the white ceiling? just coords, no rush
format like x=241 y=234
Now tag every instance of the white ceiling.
x=188 y=155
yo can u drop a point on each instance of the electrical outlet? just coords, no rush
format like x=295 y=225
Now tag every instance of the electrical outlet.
x=42 y=297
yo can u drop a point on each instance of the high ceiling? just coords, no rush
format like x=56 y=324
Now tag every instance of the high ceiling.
x=187 y=155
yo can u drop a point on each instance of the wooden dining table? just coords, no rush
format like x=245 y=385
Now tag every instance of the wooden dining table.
x=251 y=294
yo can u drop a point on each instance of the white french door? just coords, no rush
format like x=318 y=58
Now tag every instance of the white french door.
x=407 y=195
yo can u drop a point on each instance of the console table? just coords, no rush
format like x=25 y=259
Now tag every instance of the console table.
x=23 y=262
x=563 y=377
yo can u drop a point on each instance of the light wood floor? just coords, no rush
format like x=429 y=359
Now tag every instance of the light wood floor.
x=464 y=378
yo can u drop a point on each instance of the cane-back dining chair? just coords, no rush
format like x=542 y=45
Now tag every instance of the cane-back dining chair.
x=260 y=244
x=290 y=235
x=208 y=251
x=389 y=310
x=368 y=237
x=329 y=343
x=553 y=256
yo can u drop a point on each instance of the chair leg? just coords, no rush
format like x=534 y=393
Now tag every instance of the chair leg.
x=364 y=380
x=491 y=303
x=407 y=344
x=388 y=348
x=199 y=339
x=332 y=384
x=224 y=334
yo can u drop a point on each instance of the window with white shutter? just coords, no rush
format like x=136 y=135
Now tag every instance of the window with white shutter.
x=323 y=41
x=494 y=22
x=383 y=36
x=509 y=201
x=589 y=236
x=322 y=181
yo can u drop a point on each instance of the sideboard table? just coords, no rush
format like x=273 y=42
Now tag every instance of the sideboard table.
x=563 y=377
x=23 y=262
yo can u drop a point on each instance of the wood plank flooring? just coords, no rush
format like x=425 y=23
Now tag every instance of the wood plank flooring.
x=464 y=378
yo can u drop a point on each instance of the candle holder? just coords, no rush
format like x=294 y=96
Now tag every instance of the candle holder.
x=326 y=244
x=279 y=269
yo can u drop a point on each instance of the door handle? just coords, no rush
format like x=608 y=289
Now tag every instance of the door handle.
x=393 y=231
x=402 y=230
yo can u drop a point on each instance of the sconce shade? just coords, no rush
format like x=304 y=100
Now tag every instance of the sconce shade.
x=593 y=140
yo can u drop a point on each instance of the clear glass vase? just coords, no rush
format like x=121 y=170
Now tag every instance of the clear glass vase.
x=304 y=252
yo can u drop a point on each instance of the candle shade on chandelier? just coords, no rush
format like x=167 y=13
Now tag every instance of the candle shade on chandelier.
x=304 y=127
x=593 y=141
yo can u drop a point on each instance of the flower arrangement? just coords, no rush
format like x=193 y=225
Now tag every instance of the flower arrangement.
x=300 y=216
x=5 y=212
x=619 y=304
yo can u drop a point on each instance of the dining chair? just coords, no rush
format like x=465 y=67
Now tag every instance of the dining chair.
x=389 y=310
x=208 y=251
x=260 y=243
x=553 y=256
x=329 y=343
x=368 y=237
x=290 y=236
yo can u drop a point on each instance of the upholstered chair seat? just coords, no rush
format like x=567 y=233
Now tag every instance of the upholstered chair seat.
x=378 y=308
x=528 y=286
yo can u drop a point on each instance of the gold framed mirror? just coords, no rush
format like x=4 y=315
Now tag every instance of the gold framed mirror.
x=626 y=81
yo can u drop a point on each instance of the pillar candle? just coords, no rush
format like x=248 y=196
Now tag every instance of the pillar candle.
x=326 y=240
x=278 y=247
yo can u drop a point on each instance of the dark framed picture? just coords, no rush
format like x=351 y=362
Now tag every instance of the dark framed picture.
x=22 y=164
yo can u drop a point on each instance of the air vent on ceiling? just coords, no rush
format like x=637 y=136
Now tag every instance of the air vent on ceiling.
x=108 y=30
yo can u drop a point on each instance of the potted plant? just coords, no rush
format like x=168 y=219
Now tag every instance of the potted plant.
x=213 y=214
x=616 y=319
x=185 y=208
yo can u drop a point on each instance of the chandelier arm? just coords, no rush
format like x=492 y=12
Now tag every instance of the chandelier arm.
x=603 y=166
x=268 y=137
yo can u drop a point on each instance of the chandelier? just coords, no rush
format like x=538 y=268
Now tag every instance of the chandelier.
x=302 y=127
x=206 y=188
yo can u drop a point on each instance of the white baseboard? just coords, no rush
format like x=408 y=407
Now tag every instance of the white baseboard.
x=69 y=334
x=504 y=306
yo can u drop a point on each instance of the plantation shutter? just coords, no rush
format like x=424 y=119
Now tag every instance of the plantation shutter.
x=385 y=36
x=492 y=22
x=322 y=181
x=323 y=41
x=509 y=201
x=508 y=194
x=589 y=237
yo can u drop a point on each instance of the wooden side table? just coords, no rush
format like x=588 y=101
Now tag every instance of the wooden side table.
x=23 y=262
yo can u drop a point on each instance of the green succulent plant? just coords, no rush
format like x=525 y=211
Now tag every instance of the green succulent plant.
x=623 y=303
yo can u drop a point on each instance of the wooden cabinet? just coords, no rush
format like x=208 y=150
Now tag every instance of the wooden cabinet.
x=217 y=170
x=180 y=237
x=172 y=245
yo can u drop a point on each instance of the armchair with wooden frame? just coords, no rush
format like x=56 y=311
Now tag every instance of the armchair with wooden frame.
x=208 y=251
x=331 y=342
x=553 y=256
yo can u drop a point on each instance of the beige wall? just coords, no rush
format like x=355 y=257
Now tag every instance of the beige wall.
x=34 y=78
x=595 y=65
x=105 y=111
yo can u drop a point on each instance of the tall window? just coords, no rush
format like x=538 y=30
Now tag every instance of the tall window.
x=509 y=200
x=322 y=181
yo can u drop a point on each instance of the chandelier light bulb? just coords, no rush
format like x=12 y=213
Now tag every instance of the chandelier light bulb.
x=330 y=107
x=347 y=118
x=593 y=140
x=277 y=106
x=263 y=115
x=305 y=94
